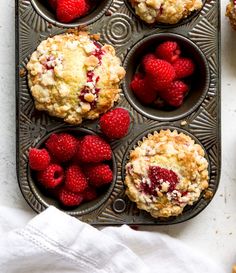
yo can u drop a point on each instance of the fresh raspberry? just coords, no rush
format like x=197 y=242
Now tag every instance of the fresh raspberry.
x=70 y=199
x=75 y=179
x=160 y=73
x=69 y=10
x=51 y=177
x=148 y=58
x=39 y=159
x=94 y=149
x=76 y=159
x=142 y=89
x=98 y=174
x=157 y=176
x=62 y=146
x=53 y=4
x=174 y=95
x=115 y=123
x=168 y=51
x=89 y=194
x=184 y=67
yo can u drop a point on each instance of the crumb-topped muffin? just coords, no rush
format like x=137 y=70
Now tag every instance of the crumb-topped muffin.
x=73 y=77
x=166 y=172
x=165 y=11
x=231 y=13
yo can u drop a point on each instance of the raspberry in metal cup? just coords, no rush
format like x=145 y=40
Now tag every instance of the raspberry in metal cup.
x=195 y=90
x=48 y=10
x=75 y=179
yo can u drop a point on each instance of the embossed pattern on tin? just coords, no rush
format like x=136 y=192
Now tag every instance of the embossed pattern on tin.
x=120 y=28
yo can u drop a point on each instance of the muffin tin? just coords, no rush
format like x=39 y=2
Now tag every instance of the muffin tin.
x=199 y=117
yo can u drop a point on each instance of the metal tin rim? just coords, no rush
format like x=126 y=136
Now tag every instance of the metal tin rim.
x=84 y=211
x=184 y=216
x=75 y=24
x=200 y=100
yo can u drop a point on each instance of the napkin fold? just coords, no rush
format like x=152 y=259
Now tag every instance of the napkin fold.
x=56 y=242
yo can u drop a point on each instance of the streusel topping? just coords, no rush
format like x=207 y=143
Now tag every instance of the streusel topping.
x=166 y=172
x=231 y=13
x=165 y=11
x=73 y=77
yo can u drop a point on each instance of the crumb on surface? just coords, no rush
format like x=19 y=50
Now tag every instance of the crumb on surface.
x=208 y=194
x=22 y=72
x=183 y=123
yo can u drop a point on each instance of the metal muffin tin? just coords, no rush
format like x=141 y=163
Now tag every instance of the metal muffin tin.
x=121 y=28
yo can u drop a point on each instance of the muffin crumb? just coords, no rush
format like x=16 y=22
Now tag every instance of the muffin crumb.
x=208 y=194
x=231 y=14
x=22 y=72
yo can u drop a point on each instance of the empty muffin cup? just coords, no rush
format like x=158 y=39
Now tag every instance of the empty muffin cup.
x=47 y=197
x=199 y=81
x=43 y=9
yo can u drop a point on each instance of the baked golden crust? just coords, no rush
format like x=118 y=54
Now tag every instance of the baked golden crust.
x=231 y=14
x=165 y=11
x=72 y=77
x=171 y=151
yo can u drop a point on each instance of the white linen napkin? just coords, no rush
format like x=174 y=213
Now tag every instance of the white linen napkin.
x=55 y=242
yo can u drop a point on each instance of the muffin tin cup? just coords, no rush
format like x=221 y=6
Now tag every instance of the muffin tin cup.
x=162 y=25
x=44 y=11
x=46 y=200
x=124 y=32
x=199 y=85
x=189 y=211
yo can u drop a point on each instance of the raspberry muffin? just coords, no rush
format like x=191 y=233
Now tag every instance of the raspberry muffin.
x=231 y=13
x=166 y=172
x=71 y=76
x=165 y=11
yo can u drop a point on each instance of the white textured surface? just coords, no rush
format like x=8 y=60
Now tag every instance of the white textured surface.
x=62 y=239
x=214 y=230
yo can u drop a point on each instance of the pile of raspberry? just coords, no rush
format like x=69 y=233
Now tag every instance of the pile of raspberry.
x=75 y=169
x=162 y=78
x=69 y=10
